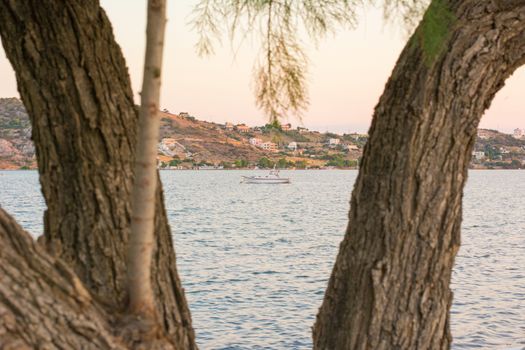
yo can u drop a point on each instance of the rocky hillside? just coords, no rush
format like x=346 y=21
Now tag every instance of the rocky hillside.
x=186 y=142
x=16 y=148
x=204 y=142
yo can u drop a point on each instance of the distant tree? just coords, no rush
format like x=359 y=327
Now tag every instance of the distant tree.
x=273 y=125
x=492 y=152
x=241 y=163
x=515 y=164
x=282 y=163
x=265 y=163
x=300 y=164
x=175 y=162
x=225 y=165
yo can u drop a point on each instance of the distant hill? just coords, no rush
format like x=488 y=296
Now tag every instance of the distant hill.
x=16 y=147
x=186 y=142
x=204 y=141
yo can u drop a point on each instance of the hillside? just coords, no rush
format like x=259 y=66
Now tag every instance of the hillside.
x=16 y=148
x=186 y=142
x=203 y=141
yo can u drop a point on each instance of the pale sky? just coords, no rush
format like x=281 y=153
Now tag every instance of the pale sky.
x=347 y=75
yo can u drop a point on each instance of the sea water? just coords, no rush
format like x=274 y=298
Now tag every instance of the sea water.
x=255 y=259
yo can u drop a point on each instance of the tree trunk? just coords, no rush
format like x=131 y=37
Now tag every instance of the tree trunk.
x=73 y=80
x=43 y=304
x=389 y=288
x=141 y=298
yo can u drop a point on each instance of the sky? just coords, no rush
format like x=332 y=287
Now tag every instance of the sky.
x=348 y=71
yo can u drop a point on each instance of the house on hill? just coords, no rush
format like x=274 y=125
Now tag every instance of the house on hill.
x=255 y=141
x=170 y=147
x=484 y=134
x=333 y=142
x=269 y=146
x=479 y=155
x=242 y=128
x=228 y=126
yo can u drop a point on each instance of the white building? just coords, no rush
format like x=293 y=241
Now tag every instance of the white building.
x=334 y=142
x=268 y=146
x=292 y=146
x=170 y=147
x=484 y=134
x=255 y=141
x=479 y=155
x=518 y=133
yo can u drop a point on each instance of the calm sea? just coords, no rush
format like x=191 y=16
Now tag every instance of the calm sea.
x=255 y=259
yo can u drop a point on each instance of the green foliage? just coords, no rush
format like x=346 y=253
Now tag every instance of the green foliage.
x=492 y=152
x=280 y=72
x=435 y=29
x=273 y=125
x=24 y=167
x=404 y=13
x=297 y=136
x=339 y=162
x=14 y=123
x=281 y=69
x=241 y=163
x=174 y=162
x=282 y=163
x=226 y=165
x=265 y=163
x=300 y=164
x=515 y=164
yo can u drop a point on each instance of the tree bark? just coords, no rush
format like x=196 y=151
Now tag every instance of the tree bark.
x=73 y=80
x=43 y=304
x=141 y=296
x=389 y=288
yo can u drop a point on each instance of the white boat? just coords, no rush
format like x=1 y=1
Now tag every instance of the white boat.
x=272 y=178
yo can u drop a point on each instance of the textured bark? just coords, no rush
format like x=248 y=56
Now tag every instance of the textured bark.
x=74 y=83
x=43 y=304
x=389 y=288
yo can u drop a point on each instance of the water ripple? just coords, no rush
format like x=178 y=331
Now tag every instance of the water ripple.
x=255 y=260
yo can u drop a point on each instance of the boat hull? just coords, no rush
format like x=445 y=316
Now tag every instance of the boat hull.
x=257 y=180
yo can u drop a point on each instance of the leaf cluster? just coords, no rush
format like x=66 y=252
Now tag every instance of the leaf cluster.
x=281 y=70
